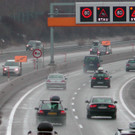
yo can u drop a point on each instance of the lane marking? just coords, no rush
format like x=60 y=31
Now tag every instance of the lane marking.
x=75 y=93
x=79 y=89
x=72 y=103
x=73 y=98
x=84 y=84
x=73 y=110
x=121 y=99
x=11 y=117
x=80 y=126
x=76 y=117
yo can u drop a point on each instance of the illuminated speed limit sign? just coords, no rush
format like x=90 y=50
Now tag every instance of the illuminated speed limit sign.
x=37 y=53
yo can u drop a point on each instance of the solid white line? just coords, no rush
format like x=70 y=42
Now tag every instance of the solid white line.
x=121 y=99
x=11 y=117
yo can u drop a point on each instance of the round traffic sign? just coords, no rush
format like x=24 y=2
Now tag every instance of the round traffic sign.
x=37 y=53
x=119 y=12
x=86 y=12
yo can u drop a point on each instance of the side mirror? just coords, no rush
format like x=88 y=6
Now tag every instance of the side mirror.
x=29 y=133
x=55 y=132
x=115 y=102
x=65 y=109
x=110 y=76
x=36 y=108
x=86 y=101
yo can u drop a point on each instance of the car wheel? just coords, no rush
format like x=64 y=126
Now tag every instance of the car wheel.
x=4 y=74
x=114 y=116
x=109 y=86
x=91 y=85
x=127 y=70
x=88 y=116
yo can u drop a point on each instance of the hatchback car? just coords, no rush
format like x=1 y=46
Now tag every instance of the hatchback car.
x=101 y=106
x=12 y=67
x=125 y=132
x=34 y=44
x=130 y=65
x=100 y=79
x=56 y=80
x=91 y=63
x=51 y=110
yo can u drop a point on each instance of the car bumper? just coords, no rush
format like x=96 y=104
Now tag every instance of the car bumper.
x=100 y=83
x=56 y=85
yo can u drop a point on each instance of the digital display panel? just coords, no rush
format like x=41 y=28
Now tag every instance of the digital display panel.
x=86 y=14
x=119 y=14
x=103 y=14
x=132 y=14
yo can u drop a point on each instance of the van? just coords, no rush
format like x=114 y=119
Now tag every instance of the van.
x=91 y=63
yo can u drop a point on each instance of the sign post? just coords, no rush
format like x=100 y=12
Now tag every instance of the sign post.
x=37 y=53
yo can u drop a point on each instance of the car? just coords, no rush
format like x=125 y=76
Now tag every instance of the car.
x=95 y=47
x=12 y=67
x=91 y=63
x=132 y=125
x=130 y=65
x=100 y=78
x=56 y=80
x=101 y=106
x=44 y=128
x=125 y=132
x=104 y=50
x=34 y=44
x=51 y=110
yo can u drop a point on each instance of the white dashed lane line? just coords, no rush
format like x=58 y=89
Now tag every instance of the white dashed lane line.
x=73 y=110
x=76 y=117
x=72 y=103
x=79 y=89
x=75 y=93
x=73 y=98
x=80 y=126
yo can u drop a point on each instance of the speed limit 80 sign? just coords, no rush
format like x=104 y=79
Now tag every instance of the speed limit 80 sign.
x=37 y=53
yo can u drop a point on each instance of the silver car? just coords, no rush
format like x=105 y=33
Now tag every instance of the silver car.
x=56 y=80
x=12 y=67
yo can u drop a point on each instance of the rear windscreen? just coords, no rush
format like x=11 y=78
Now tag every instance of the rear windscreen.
x=90 y=59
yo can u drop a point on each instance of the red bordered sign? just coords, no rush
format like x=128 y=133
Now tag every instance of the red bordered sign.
x=37 y=53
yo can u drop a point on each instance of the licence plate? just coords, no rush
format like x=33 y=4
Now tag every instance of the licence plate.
x=102 y=107
x=99 y=82
x=52 y=113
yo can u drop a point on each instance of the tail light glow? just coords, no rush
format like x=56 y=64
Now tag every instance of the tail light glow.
x=62 y=112
x=93 y=106
x=63 y=81
x=111 y=106
x=40 y=111
x=106 y=78
x=5 y=69
x=48 y=81
x=90 y=49
x=93 y=78
x=128 y=65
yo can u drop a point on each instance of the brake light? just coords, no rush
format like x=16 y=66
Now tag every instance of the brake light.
x=16 y=69
x=90 y=49
x=62 y=112
x=128 y=65
x=4 y=69
x=48 y=81
x=93 y=106
x=111 y=106
x=40 y=111
x=63 y=81
x=107 y=52
x=98 y=65
x=106 y=78
x=27 y=45
x=98 y=52
x=93 y=78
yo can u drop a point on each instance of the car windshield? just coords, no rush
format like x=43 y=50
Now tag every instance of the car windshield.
x=102 y=100
x=58 y=77
x=49 y=106
x=90 y=59
x=11 y=64
x=100 y=75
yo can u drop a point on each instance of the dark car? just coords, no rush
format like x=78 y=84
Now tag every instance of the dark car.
x=130 y=65
x=101 y=106
x=100 y=79
x=34 y=44
x=44 y=128
x=95 y=47
x=104 y=50
x=125 y=132
x=91 y=62
x=51 y=110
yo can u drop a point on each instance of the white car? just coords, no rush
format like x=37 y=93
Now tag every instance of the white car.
x=12 y=67
x=56 y=80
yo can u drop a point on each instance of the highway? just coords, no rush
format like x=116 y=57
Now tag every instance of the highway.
x=20 y=109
